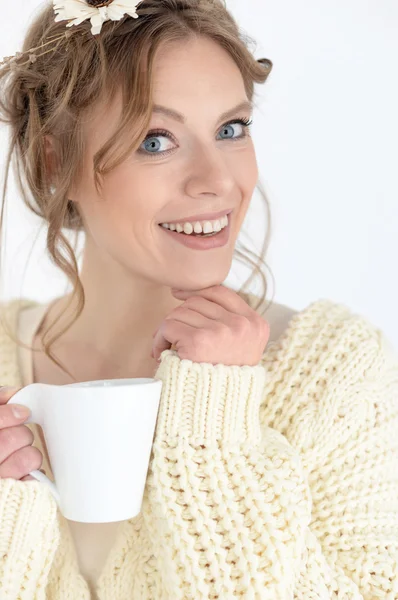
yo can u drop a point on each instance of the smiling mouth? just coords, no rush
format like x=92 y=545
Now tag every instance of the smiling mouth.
x=200 y=241
x=193 y=234
x=187 y=228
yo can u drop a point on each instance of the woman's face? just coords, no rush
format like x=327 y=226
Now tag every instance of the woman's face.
x=197 y=165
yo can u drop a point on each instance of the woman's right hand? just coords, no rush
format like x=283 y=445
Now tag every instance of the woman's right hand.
x=17 y=455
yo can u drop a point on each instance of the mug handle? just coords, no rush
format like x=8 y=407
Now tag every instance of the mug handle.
x=29 y=396
x=44 y=479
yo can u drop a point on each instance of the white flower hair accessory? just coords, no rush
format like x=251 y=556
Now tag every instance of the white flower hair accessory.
x=98 y=11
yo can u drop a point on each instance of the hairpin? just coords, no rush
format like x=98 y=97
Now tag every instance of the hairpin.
x=98 y=11
x=75 y=12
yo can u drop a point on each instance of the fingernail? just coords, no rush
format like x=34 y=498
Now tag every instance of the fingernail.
x=5 y=389
x=20 y=411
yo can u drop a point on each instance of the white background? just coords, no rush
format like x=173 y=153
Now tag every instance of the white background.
x=326 y=135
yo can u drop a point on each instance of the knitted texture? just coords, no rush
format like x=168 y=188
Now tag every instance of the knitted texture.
x=276 y=481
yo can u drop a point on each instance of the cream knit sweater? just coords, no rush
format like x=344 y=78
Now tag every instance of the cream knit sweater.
x=277 y=481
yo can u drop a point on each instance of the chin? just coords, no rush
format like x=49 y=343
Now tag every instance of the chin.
x=199 y=283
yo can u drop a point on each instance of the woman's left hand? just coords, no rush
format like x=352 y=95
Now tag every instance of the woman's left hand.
x=213 y=325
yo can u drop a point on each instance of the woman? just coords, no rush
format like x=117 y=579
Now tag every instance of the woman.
x=274 y=466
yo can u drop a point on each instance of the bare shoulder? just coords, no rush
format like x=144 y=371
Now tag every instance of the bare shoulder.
x=278 y=316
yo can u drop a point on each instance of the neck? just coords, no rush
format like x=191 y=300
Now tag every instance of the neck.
x=120 y=315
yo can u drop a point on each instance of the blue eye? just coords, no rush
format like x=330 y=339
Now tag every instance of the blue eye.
x=151 y=145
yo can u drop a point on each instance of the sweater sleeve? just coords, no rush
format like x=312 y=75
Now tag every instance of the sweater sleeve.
x=351 y=458
x=29 y=537
x=227 y=504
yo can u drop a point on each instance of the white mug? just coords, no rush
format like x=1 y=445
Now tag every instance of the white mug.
x=99 y=436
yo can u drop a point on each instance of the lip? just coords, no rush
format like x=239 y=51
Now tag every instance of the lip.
x=199 y=243
x=204 y=217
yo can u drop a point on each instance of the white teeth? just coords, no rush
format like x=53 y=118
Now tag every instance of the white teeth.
x=198 y=227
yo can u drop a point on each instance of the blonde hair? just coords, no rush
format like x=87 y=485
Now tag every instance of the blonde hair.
x=52 y=95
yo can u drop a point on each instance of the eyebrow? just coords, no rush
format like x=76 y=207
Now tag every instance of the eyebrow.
x=173 y=114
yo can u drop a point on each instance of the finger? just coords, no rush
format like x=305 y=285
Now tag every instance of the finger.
x=170 y=332
x=13 y=439
x=30 y=478
x=193 y=313
x=204 y=314
x=7 y=392
x=21 y=463
x=182 y=315
x=222 y=296
x=9 y=417
x=202 y=306
x=159 y=346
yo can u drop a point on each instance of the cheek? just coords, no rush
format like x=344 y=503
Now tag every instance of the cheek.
x=246 y=174
x=128 y=215
x=120 y=209
x=252 y=167
x=246 y=177
x=129 y=199
x=243 y=163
